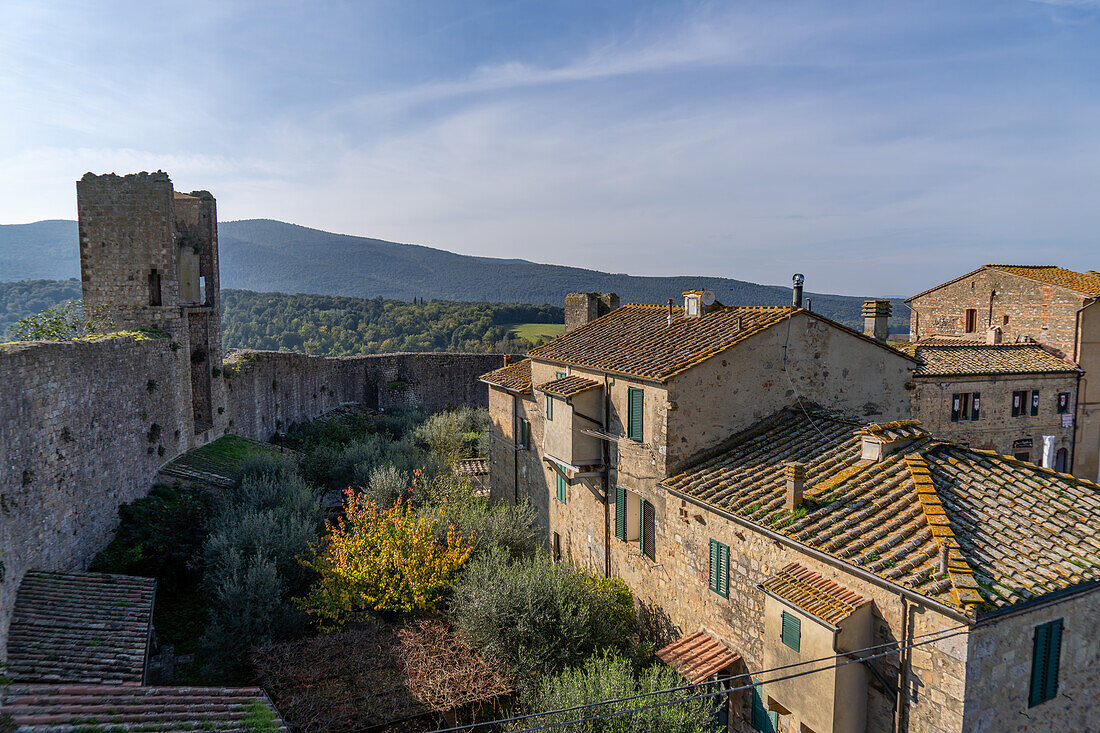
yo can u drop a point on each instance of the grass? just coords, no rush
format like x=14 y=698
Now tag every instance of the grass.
x=537 y=332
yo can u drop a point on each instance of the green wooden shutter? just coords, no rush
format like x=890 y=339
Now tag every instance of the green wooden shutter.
x=635 y=408
x=620 y=513
x=975 y=405
x=549 y=407
x=724 y=571
x=714 y=565
x=649 y=541
x=792 y=631
x=956 y=407
x=763 y=720
x=527 y=434
x=559 y=375
x=1045 y=661
x=563 y=488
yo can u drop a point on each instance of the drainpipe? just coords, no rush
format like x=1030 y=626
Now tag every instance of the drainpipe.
x=515 y=450
x=901 y=704
x=1073 y=434
x=607 y=478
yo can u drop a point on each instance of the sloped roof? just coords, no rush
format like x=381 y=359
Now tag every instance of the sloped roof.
x=1086 y=283
x=514 y=377
x=946 y=359
x=80 y=627
x=637 y=340
x=54 y=708
x=567 y=386
x=1012 y=531
x=698 y=656
x=814 y=593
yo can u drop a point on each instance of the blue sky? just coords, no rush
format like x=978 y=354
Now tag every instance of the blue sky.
x=879 y=147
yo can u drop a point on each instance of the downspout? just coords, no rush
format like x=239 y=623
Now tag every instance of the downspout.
x=606 y=479
x=901 y=704
x=515 y=450
x=1073 y=435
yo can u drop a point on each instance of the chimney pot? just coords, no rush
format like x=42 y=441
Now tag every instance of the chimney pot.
x=796 y=290
x=993 y=335
x=876 y=319
x=795 y=473
x=944 y=554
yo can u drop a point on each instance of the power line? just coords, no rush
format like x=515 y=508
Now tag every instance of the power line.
x=692 y=686
x=718 y=692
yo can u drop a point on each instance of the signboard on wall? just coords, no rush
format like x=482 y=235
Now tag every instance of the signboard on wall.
x=1067 y=420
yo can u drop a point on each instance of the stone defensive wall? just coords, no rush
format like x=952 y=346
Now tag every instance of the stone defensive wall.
x=86 y=425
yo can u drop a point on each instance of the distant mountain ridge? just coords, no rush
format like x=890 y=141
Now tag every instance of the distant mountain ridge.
x=266 y=255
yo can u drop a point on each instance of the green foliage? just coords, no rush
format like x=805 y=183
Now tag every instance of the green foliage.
x=27 y=297
x=455 y=503
x=538 y=616
x=259 y=718
x=607 y=676
x=454 y=434
x=62 y=322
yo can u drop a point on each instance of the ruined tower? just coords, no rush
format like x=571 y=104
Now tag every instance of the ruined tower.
x=149 y=257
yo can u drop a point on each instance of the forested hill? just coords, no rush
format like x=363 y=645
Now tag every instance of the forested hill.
x=266 y=255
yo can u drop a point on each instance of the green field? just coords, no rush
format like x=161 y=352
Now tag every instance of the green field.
x=537 y=332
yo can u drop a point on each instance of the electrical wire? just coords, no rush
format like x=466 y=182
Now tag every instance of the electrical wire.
x=798 y=397
x=941 y=634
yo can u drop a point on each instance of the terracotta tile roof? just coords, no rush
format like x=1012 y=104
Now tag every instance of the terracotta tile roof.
x=1011 y=531
x=698 y=656
x=514 y=377
x=889 y=432
x=472 y=466
x=941 y=358
x=53 y=708
x=814 y=593
x=80 y=627
x=567 y=386
x=1087 y=283
x=636 y=339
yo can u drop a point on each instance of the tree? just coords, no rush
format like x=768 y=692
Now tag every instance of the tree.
x=62 y=322
x=383 y=561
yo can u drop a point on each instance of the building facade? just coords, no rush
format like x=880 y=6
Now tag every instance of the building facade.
x=1044 y=304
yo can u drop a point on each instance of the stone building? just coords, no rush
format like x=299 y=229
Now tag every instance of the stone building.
x=1014 y=399
x=1044 y=304
x=926 y=583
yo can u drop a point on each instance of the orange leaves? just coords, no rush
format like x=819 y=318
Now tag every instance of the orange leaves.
x=382 y=561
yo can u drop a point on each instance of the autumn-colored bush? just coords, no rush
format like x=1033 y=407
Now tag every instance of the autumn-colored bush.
x=380 y=561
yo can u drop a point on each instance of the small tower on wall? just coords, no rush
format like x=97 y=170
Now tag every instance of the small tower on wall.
x=149 y=257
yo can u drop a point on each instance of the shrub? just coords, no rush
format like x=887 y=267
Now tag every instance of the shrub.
x=398 y=421
x=387 y=486
x=538 y=616
x=454 y=434
x=266 y=465
x=380 y=560
x=607 y=676
x=455 y=503
x=62 y=322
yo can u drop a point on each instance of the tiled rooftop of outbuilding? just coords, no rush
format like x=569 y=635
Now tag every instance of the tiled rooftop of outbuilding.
x=1013 y=531
x=814 y=593
x=72 y=708
x=939 y=358
x=567 y=386
x=698 y=656
x=80 y=627
x=515 y=377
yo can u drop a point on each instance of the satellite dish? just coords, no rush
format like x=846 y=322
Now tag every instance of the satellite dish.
x=708 y=297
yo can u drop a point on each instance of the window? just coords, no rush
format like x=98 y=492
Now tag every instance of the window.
x=549 y=407
x=557 y=547
x=1061 y=460
x=635 y=407
x=1022 y=455
x=1034 y=402
x=965 y=406
x=791 y=633
x=634 y=521
x=154 y=287
x=763 y=720
x=1020 y=400
x=720 y=714
x=524 y=434
x=1004 y=321
x=971 y=320
x=563 y=488
x=1063 y=403
x=720 y=568
x=1045 y=660
x=560 y=375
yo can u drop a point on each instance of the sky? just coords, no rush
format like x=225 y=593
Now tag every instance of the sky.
x=878 y=147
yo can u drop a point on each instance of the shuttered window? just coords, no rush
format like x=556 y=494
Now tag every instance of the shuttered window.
x=956 y=407
x=1034 y=402
x=791 y=634
x=635 y=407
x=563 y=488
x=620 y=512
x=1045 y=661
x=549 y=407
x=975 y=405
x=763 y=720
x=525 y=433
x=648 y=540
x=560 y=375
x=720 y=568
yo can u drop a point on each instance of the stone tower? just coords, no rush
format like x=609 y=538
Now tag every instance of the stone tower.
x=149 y=257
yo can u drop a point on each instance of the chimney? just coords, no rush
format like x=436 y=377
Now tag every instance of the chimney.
x=582 y=308
x=670 y=311
x=796 y=294
x=693 y=303
x=945 y=553
x=876 y=319
x=796 y=482
x=993 y=335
